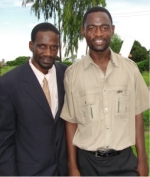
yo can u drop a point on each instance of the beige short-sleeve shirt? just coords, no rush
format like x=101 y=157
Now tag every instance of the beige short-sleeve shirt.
x=104 y=105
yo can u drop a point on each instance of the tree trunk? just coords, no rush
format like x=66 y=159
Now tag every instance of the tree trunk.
x=60 y=52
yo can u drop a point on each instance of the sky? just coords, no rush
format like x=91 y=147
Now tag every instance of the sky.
x=130 y=17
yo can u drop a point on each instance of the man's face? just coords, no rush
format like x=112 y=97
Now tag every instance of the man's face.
x=98 y=31
x=44 y=49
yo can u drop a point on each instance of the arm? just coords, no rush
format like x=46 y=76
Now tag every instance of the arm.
x=140 y=146
x=72 y=164
x=7 y=130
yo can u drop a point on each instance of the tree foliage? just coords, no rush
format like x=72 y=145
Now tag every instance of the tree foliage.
x=72 y=21
x=138 y=52
x=18 y=61
x=143 y=65
x=67 y=15
x=116 y=43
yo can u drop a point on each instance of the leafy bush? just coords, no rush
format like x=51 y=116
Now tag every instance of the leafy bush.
x=138 y=52
x=146 y=118
x=11 y=63
x=18 y=61
x=143 y=65
x=67 y=63
x=146 y=77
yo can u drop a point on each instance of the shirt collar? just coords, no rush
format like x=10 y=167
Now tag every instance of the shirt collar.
x=39 y=74
x=114 y=58
x=88 y=60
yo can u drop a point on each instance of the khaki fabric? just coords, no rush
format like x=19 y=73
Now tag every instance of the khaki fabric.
x=46 y=91
x=104 y=105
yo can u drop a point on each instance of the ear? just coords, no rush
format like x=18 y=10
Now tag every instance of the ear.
x=31 y=46
x=82 y=31
x=113 y=29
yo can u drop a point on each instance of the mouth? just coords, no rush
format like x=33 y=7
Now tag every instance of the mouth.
x=47 y=60
x=99 y=41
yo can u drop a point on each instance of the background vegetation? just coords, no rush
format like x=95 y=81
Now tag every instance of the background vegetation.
x=64 y=13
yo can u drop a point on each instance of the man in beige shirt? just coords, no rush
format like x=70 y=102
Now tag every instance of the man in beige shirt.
x=104 y=101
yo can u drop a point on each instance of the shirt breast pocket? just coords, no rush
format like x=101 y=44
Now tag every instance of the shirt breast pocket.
x=87 y=108
x=122 y=103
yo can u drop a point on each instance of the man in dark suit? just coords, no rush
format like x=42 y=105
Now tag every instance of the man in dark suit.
x=32 y=136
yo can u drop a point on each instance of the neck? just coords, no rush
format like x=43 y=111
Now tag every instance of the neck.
x=101 y=58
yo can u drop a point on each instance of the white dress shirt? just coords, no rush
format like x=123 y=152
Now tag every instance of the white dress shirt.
x=52 y=82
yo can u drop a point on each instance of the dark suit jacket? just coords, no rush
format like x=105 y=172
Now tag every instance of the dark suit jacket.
x=32 y=142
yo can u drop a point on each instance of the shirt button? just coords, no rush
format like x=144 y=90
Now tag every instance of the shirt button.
x=107 y=128
x=106 y=109
x=107 y=147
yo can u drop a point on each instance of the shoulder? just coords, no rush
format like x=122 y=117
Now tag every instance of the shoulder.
x=130 y=61
x=123 y=60
x=60 y=66
x=75 y=67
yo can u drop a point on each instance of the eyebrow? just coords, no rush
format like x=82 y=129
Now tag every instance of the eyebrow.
x=104 y=24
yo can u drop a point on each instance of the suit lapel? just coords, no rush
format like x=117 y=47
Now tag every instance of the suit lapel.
x=34 y=89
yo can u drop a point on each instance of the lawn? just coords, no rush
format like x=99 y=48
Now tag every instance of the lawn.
x=5 y=69
x=147 y=140
x=146 y=77
x=147 y=144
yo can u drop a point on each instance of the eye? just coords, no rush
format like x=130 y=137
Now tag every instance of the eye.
x=91 y=28
x=105 y=28
x=41 y=46
x=54 y=47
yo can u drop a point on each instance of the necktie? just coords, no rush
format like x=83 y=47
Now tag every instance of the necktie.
x=46 y=91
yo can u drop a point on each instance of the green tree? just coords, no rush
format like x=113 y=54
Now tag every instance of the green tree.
x=0 y=69
x=116 y=43
x=67 y=14
x=138 y=52
x=18 y=61
x=143 y=65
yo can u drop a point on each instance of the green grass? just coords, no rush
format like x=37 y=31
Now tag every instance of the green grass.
x=147 y=140
x=5 y=69
x=146 y=77
x=147 y=144
x=146 y=119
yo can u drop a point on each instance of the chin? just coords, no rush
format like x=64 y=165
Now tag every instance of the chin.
x=99 y=49
x=43 y=66
x=47 y=65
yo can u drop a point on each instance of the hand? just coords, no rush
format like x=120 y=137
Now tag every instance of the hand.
x=74 y=172
x=142 y=168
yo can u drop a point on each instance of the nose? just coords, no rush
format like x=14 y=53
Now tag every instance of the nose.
x=98 y=31
x=47 y=51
